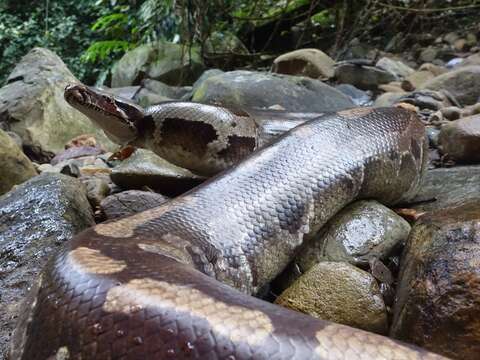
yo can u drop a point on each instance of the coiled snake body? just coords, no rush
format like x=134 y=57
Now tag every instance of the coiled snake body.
x=173 y=281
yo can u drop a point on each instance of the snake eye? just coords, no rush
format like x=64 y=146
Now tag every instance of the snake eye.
x=108 y=99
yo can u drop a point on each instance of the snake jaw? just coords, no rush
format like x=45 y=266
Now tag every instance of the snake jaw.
x=117 y=117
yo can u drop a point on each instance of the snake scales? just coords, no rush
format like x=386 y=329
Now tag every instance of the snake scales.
x=173 y=281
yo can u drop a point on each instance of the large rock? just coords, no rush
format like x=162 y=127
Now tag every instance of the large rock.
x=463 y=83
x=35 y=220
x=359 y=233
x=32 y=105
x=438 y=297
x=312 y=63
x=170 y=63
x=362 y=76
x=145 y=168
x=250 y=89
x=338 y=292
x=460 y=139
x=16 y=167
x=416 y=80
x=396 y=67
x=447 y=187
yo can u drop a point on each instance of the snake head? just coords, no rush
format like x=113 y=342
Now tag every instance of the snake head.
x=117 y=117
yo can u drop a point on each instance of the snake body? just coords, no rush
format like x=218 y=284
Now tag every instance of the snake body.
x=173 y=281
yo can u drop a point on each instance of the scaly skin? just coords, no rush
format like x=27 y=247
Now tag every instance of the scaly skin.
x=161 y=284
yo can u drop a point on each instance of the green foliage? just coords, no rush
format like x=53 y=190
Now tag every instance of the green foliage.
x=59 y=27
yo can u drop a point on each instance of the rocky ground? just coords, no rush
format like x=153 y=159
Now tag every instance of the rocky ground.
x=412 y=272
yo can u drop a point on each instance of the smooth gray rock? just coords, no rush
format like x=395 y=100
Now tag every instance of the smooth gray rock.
x=341 y=293
x=460 y=139
x=438 y=296
x=32 y=105
x=249 y=89
x=35 y=220
x=15 y=166
x=463 y=83
x=144 y=168
x=399 y=69
x=447 y=187
x=173 y=64
x=130 y=202
x=362 y=76
x=359 y=233
x=172 y=92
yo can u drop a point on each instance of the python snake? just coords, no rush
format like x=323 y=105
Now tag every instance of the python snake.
x=173 y=282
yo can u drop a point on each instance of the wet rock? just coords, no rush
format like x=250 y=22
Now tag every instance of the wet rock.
x=432 y=134
x=32 y=105
x=172 y=64
x=359 y=97
x=15 y=166
x=362 y=231
x=438 y=304
x=362 y=76
x=396 y=67
x=312 y=63
x=76 y=152
x=35 y=220
x=338 y=292
x=447 y=187
x=250 y=89
x=144 y=168
x=463 y=83
x=460 y=139
x=130 y=202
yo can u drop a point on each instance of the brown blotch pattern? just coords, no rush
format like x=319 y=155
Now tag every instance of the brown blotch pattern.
x=192 y=136
x=83 y=259
x=238 y=147
x=234 y=322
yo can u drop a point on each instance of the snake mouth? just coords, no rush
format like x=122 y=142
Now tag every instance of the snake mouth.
x=81 y=97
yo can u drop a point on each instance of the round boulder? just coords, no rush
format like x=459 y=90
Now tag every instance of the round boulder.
x=312 y=63
x=250 y=89
x=438 y=297
x=338 y=292
x=460 y=139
